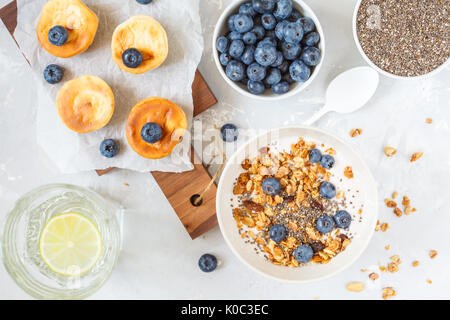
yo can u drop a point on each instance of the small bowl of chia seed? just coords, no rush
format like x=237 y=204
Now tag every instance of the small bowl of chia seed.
x=406 y=39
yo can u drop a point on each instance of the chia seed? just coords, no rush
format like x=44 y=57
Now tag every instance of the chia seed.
x=405 y=37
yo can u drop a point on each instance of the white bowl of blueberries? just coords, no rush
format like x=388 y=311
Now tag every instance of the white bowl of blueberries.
x=268 y=49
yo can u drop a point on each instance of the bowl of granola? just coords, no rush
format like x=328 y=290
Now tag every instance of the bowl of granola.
x=297 y=204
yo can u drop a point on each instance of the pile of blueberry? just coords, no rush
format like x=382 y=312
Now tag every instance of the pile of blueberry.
x=270 y=45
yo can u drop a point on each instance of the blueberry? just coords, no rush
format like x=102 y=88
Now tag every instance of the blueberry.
x=327 y=161
x=263 y=6
x=249 y=38
x=273 y=76
x=315 y=156
x=267 y=41
x=343 y=219
x=151 y=132
x=249 y=55
x=307 y=24
x=283 y=9
x=230 y=22
x=132 y=58
x=325 y=224
x=277 y=233
x=222 y=44
x=311 y=56
x=109 y=148
x=237 y=48
x=256 y=87
x=279 y=61
x=259 y=31
x=280 y=87
x=247 y=8
x=224 y=59
x=268 y=21
x=327 y=190
x=299 y=71
x=234 y=35
x=207 y=262
x=303 y=253
x=287 y=77
x=53 y=73
x=235 y=70
x=284 y=67
x=290 y=50
x=293 y=32
x=295 y=15
x=311 y=39
x=256 y=72
x=271 y=186
x=58 y=35
x=229 y=132
x=279 y=29
x=243 y=23
x=266 y=55
x=144 y=1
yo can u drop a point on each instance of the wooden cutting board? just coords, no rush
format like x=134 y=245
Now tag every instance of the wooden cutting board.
x=177 y=187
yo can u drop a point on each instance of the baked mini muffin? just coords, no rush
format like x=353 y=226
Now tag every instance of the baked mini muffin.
x=154 y=127
x=66 y=27
x=85 y=104
x=139 y=44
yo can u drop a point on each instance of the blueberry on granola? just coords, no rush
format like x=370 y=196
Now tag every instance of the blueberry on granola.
x=303 y=253
x=207 y=262
x=277 y=233
x=327 y=190
x=315 y=156
x=343 y=219
x=327 y=161
x=325 y=224
x=271 y=186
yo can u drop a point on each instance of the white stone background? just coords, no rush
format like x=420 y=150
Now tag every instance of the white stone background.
x=160 y=261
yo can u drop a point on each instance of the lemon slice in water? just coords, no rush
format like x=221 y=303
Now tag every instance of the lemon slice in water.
x=70 y=244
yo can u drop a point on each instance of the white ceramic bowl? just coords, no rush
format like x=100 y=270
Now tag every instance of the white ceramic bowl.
x=381 y=71
x=221 y=29
x=362 y=231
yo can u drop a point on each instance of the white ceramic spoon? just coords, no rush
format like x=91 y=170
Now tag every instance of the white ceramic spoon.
x=348 y=92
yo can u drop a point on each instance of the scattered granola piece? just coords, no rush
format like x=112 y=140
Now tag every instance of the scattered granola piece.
x=429 y=281
x=387 y=247
x=364 y=270
x=373 y=276
x=383 y=269
x=398 y=212
x=384 y=227
x=389 y=151
x=433 y=254
x=390 y=203
x=348 y=172
x=355 y=286
x=378 y=226
x=396 y=259
x=415 y=263
x=355 y=132
x=406 y=201
x=330 y=151
x=388 y=293
x=429 y=120
x=394 y=195
x=393 y=267
x=316 y=298
x=126 y=184
x=416 y=156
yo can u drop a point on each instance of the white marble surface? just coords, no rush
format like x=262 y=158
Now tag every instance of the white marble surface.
x=160 y=261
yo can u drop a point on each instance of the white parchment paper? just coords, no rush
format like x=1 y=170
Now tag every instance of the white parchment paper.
x=73 y=152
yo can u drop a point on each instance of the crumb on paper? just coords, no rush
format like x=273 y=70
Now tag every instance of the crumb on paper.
x=398 y=212
x=373 y=276
x=126 y=184
x=429 y=281
x=389 y=151
x=416 y=156
x=429 y=120
x=355 y=286
x=388 y=292
x=415 y=263
x=394 y=195
x=433 y=254
x=355 y=132
x=348 y=172
x=390 y=203
x=387 y=247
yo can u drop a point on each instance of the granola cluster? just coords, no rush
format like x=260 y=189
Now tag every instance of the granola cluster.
x=297 y=207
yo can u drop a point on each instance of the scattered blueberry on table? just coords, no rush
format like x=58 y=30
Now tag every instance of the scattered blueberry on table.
x=325 y=224
x=207 y=262
x=58 y=35
x=269 y=33
x=303 y=253
x=229 y=132
x=271 y=186
x=109 y=148
x=144 y=1
x=132 y=58
x=53 y=73
x=151 y=132
x=343 y=219
x=277 y=233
